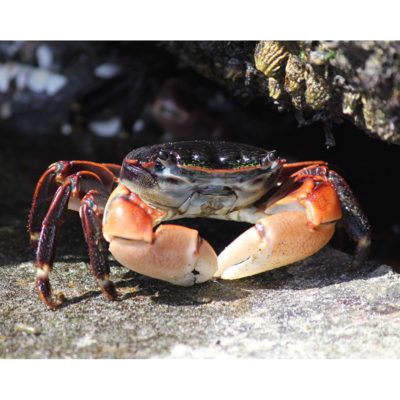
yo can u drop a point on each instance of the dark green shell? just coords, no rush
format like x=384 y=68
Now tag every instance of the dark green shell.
x=204 y=154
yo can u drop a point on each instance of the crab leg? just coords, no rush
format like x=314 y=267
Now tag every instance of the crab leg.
x=68 y=195
x=172 y=253
x=54 y=176
x=91 y=216
x=354 y=220
x=42 y=198
x=47 y=242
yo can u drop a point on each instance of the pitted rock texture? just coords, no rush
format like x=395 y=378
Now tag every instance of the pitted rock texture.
x=315 y=308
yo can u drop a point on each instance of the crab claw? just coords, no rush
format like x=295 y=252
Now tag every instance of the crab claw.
x=172 y=253
x=299 y=225
x=176 y=254
x=275 y=241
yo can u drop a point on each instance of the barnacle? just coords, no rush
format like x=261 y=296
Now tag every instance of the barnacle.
x=317 y=91
x=270 y=57
x=350 y=102
x=294 y=78
x=275 y=88
x=374 y=116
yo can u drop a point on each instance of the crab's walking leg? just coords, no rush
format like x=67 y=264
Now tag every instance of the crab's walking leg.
x=354 y=220
x=42 y=198
x=68 y=195
x=53 y=178
x=91 y=217
x=47 y=242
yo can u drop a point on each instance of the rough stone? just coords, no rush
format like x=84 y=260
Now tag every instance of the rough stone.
x=319 y=80
x=315 y=308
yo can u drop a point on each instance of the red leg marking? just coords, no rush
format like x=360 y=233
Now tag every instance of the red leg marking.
x=91 y=217
x=42 y=198
x=55 y=176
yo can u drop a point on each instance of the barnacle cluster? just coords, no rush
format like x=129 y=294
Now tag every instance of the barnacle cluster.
x=321 y=78
x=289 y=73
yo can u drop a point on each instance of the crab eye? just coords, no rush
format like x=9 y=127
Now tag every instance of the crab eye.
x=158 y=165
x=267 y=159
x=163 y=155
x=272 y=156
x=165 y=160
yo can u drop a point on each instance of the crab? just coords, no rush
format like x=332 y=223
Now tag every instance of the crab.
x=293 y=209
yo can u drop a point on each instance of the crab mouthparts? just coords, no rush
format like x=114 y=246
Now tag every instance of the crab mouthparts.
x=213 y=190
x=209 y=200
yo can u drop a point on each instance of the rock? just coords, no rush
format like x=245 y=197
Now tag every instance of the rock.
x=315 y=308
x=319 y=80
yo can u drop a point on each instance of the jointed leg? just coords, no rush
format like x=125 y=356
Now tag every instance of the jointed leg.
x=42 y=199
x=91 y=217
x=354 y=220
x=48 y=240
x=48 y=213
x=53 y=178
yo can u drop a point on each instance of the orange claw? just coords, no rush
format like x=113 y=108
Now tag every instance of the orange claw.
x=275 y=241
x=126 y=219
x=127 y=216
x=298 y=226
x=176 y=254
x=320 y=202
x=173 y=253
